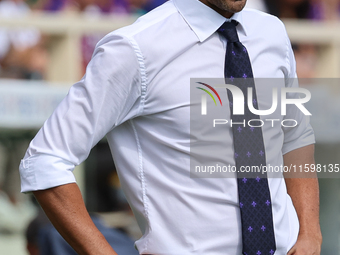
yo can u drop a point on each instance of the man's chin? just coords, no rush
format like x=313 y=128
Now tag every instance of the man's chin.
x=231 y=6
x=236 y=5
x=225 y=7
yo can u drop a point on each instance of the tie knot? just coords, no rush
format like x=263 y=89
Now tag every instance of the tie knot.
x=228 y=30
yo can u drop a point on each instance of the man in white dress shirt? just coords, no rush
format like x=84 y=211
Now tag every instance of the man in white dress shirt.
x=136 y=91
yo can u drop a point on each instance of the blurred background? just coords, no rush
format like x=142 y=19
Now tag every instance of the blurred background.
x=45 y=46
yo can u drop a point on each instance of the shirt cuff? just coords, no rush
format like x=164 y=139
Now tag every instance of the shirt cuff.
x=39 y=172
x=306 y=139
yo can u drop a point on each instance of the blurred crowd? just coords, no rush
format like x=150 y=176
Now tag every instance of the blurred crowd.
x=24 y=54
x=299 y=9
x=306 y=55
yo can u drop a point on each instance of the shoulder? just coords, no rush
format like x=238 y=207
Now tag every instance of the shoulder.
x=154 y=19
x=158 y=25
x=260 y=16
x=266 y=29
x=145 y=29
x=261 y=21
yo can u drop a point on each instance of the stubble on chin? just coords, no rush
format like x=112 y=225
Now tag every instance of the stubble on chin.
x=231 y=6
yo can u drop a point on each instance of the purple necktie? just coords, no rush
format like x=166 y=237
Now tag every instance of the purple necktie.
x=254 y=195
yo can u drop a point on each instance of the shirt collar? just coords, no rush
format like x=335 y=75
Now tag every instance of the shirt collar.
x=203 y=20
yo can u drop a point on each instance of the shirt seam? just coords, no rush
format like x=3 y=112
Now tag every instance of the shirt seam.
x=142 y=178
x=287 y=58
x=142 y=71
x=28 y=168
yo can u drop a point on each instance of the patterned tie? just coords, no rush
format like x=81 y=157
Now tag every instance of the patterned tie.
x=254 y=195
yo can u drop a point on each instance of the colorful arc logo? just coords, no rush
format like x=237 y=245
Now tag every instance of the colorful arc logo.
x=212 y=89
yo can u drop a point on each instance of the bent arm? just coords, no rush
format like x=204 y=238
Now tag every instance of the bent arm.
x=65 y=208
x=305 y=196
x=107 y=95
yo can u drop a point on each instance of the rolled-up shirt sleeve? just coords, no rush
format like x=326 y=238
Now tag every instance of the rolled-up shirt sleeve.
x=302 y=134
x=107 y=95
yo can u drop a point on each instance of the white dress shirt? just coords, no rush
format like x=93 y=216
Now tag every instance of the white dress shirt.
x=136 y=91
